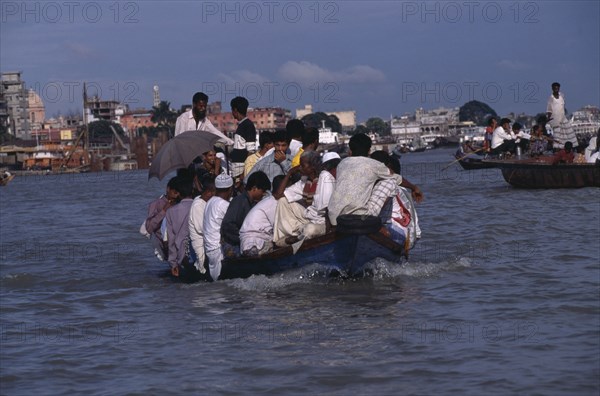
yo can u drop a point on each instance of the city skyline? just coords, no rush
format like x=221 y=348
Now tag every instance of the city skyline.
x=378 y=58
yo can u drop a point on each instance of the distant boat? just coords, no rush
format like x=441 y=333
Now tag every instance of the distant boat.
x=541 y=173
x=472 y=162
x=6 y=178
x=326 y=135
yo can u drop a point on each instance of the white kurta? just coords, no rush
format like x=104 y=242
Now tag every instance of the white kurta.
x=499 y=136
x=215 y=210
x=257 y=228
x=186 y=122
x=196 y=233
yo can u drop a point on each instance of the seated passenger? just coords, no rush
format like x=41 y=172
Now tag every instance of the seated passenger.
x=302 y=208
x=276 y=163
x=215 y=210
x=196 y=221
x=156 y=214
x=565 y=155
x=258 y=184
x=592 y=149
x=177 y=219
x=310 y=142
x=265 y=144
x=522 y=138
x=502 y=140
x=403 y=222
x=256 y=233
x=539 y=143
x=363 y=185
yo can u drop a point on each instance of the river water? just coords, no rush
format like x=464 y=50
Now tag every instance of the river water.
x=500 y=296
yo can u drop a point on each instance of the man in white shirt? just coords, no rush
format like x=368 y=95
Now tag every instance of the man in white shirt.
x=557 y=119
x=301 y=210
x=502 y=140
x=196 y=120
x=256 y=233
x=215 y=210
x=196 y=220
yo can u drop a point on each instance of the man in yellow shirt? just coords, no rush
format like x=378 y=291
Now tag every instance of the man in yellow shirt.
x=310 y=142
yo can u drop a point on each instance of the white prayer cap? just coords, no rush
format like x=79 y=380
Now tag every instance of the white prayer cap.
x=223 y=181
x=221 y=156
x=330 y=155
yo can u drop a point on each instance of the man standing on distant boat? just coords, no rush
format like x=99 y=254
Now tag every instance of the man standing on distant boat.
x=555 y=110
x=196 y=120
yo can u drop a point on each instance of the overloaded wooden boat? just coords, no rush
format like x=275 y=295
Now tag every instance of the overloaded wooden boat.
x=345 y=249
x=541 y=173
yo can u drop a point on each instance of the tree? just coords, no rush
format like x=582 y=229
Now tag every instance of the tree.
x=314 y=120
x=359 y=129
x=162 y=115
x=378 y=126
x=476 y=111
x=101 y=129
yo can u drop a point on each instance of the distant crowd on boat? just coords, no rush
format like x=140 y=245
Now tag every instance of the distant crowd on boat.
x=279 y=193
x=552 y=136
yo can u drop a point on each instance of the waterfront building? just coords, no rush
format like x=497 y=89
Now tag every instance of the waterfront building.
x=37 y=110
x=586 y=121
x=132 y=120
x=347 y=118
x=108 y=110
x=264 y=118
x=14 y=105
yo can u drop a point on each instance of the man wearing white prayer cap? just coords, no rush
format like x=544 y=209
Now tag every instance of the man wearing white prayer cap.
x=216 y=207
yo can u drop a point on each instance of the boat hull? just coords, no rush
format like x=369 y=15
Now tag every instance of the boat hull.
x=470 y=163
x=540 y=173
x=344 y=253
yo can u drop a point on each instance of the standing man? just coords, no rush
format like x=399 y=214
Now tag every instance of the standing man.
x=196 y=120
x=244 y=140
x=555 y=110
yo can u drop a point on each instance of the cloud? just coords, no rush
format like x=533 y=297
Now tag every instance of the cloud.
x=242 y=77
x=513 y=64
x=309 y=73
x=80 y=50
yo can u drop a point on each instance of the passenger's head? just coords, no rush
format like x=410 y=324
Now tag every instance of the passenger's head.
x=277 y=180
x=240 y=105
x=172 y=193
x=199 y=103
x=265 y=140
x=209 y=158
x=224 y=186
x=517 y=127
x=492 y=122
x=294 y=129
x=310 y=164
x=360 y=145
x=280 y=141
x=310 y=138
x=381 y=156
x=258 y=184
x=395 y=165
x=505 y=122
x=568 y=147
x=555 y=87
x=207 y=183
x=183 y=186
x=330 y=161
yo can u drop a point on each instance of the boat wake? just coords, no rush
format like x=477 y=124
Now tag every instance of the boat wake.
x=377 y=269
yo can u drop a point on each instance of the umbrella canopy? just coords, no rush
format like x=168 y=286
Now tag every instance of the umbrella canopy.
x=180 y=151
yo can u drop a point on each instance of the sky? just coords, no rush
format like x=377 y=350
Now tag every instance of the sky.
x=380 y=58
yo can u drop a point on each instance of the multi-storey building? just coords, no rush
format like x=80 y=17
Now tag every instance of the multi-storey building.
x=14 y=105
